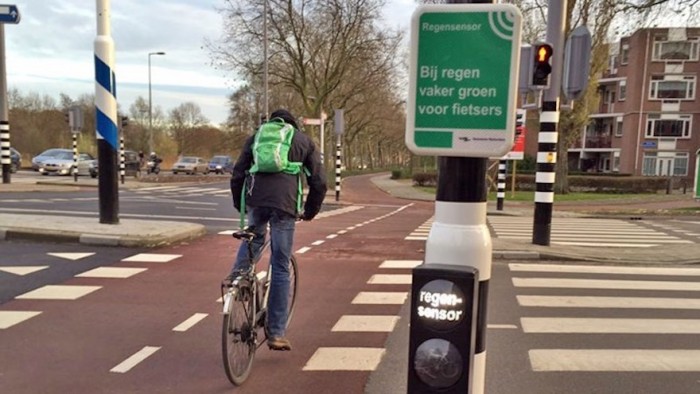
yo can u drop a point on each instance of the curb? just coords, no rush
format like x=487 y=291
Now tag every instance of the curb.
x=103 y=240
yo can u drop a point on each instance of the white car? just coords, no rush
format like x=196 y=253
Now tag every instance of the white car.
x=191 y=165
x=62 y=164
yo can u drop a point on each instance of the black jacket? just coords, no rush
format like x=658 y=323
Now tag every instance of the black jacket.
x=279 y=190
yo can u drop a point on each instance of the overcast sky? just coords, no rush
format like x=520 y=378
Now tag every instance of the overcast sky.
x=51 y=50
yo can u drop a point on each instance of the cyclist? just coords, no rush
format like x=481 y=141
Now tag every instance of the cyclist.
x=272 y=198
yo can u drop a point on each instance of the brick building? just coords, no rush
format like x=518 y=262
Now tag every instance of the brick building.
x=648 y=119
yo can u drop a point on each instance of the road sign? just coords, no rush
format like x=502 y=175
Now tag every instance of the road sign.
x=577 y=63
x=463 y=79
x=9 y=13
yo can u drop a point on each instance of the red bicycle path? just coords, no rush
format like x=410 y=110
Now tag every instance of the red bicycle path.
x=72 y=345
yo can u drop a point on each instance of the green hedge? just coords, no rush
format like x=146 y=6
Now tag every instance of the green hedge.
x=600 y=184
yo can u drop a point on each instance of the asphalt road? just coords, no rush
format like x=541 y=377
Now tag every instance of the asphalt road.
x=125 y=321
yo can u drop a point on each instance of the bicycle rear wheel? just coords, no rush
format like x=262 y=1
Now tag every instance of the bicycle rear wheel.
x=293 y=284
x=238 y=335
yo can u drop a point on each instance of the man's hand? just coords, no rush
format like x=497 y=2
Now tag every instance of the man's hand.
x=305 y=217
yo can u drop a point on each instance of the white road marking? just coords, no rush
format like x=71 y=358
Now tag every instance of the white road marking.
x=135 y=359
x=197 y=209
x=10 y=318
x=615 y=360
x=605 y=269
x=380 y=298
x=609 y=326
x=226 y=232
x=316 y=243
x=111 y=272
x=303 y=250
x=608 y=302
x=58 y=292
x=331 y=236
x=365 y=323
x=152 y=257
x=342 y=231
x=190 y=322
x=344 y=359
x=71 y=256
x=390 y=279
x=23 y=270
x=502 y=326
x=400 y=263
x=606 y=284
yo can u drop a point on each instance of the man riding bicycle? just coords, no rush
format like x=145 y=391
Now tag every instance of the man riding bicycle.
x=274 y=198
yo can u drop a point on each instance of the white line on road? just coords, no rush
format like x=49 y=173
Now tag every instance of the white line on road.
x=605 y=269
x=189 y=323
x=136 y=358
x=579 y=325
x=303 y=250
x=608 y=302
x=316 y=243
x=618 y=360
x=606 y=284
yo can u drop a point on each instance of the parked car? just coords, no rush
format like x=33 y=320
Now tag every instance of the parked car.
x=15 y=160
x=45 y=155
x=191 y=165
x=62 y=163
x=132 y=165
x=221 y=164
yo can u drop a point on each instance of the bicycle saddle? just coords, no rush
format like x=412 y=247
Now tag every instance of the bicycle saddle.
x=247 y=233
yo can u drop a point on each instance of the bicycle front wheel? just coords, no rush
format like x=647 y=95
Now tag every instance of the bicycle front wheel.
x=238 y=335
x=293 y=283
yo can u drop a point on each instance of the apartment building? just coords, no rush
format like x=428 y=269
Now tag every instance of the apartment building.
x=648 y=119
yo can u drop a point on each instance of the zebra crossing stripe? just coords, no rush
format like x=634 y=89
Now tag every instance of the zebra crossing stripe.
x=607 y=302
x=607 y=269
x=588 y=325
x=605 y=284
x=615 y=360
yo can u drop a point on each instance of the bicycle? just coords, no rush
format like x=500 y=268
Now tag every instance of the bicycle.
x=245 y=308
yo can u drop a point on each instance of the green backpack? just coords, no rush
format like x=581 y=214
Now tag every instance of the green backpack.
x=271 y=148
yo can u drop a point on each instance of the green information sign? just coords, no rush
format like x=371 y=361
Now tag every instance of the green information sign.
x=463 y=79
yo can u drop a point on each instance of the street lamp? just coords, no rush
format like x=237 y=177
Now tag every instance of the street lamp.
x=150 y=110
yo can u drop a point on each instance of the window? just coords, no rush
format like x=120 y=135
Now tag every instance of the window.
x=678 y=127
x=676 y=50
x=680 y=164
x=672 y=87
x=618 y=128
x=653 y=165
x=622 y=91
x=624 y=54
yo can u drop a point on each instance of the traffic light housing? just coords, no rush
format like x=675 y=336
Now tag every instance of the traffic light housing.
x=541 y=67
x=124 y=121
x=67 y=116
x=443 y=328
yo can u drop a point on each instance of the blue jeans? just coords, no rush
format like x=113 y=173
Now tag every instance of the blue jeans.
x=281 y=241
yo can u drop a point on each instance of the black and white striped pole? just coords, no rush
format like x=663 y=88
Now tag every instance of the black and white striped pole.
x=339 y=123
x=549 y=118
x=75 y=156
x=122 y=171
x=501 y=193
x=447 y=344
x=10 y=14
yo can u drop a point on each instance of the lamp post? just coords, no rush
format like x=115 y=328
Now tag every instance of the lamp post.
x=150 y=110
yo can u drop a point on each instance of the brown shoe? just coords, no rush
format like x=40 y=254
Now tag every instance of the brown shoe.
x=279 y=343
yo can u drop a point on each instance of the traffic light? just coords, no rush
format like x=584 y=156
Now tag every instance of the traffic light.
x=67 y=116
x=542 y=53
x=125 y=121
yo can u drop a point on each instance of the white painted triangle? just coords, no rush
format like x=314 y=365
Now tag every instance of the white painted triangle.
x=71 y=256
x=23 y=270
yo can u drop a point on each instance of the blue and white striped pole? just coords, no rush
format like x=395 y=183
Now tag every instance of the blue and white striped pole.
x=106 y=117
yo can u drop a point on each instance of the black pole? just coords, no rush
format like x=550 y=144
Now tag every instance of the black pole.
x=501 y=194
x=75 y=156
x=107 y=182
x=122 y=167
x=337 y=170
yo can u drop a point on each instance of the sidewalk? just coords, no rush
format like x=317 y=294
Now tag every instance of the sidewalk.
x=517 y=249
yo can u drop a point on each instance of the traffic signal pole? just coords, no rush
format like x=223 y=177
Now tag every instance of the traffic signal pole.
x=461 y=201
x=549 y=121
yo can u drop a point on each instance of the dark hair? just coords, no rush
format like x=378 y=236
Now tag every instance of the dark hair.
x=286 y=116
